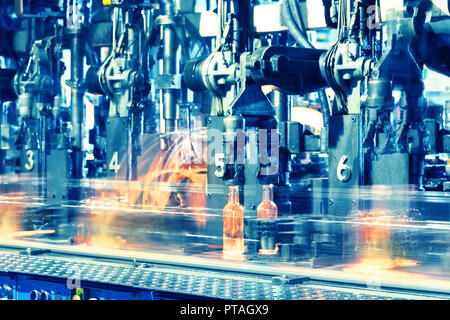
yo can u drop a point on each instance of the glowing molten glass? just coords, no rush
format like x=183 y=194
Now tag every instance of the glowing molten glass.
x=10 y=217
x=267 y=209
x=374 y=243
x=179 y=162
x=233 y=224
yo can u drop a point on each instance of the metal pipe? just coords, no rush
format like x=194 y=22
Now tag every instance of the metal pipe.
x=280 y=102
x=77 y=96
x=169 y=68
x=220 y=21
x=3 y=121
x=133 y=39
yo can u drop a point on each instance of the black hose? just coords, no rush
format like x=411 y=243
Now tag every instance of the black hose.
x=325 y=107
x=302 y=40
x=294 y=7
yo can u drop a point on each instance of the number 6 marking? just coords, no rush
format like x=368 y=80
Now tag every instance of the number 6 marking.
x=344 y=172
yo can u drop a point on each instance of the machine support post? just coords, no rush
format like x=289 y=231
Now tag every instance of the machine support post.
x=77 y=96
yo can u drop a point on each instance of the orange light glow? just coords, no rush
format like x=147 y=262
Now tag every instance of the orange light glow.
x=268 y=252
x=104 y=241
x=308 y=117
x=233 y=224
x=179 y=165
x=10 y=217
x=10 y=214
x=371 y=263
x=22 y=234
x=175 y=164
x=375 y=245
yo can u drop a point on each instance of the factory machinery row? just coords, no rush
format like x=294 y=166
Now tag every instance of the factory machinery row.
x=224 y=149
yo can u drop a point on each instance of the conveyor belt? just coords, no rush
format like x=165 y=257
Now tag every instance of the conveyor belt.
x=189 y=282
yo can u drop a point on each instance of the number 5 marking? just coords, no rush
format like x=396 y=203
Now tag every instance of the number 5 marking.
x=220 y=164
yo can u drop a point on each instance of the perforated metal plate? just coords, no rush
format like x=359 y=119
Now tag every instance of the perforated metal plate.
x=192 y=282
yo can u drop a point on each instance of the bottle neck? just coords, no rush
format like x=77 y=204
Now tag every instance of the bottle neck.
x=267 y=194
x=233 y=194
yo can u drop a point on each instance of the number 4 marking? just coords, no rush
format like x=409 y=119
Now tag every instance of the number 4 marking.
x=114 y=164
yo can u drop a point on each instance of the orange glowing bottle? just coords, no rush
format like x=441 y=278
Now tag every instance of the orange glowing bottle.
x=267 y=209
x=233 y=224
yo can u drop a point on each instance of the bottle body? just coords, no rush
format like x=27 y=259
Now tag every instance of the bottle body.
x=233 y=224
x=267 y=209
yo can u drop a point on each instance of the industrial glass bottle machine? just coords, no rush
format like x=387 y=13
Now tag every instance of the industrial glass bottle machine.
x=224 y=149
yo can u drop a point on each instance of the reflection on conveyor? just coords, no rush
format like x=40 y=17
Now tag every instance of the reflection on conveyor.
x=374 y=241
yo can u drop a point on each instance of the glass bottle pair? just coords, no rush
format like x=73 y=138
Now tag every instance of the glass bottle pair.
x=233 y=219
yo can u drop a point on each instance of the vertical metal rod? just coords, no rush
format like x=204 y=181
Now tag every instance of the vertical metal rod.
x=220 y=22
x=42 y=155
x=283 y=114
x=3 y=121
x=280 y=102
x=136 y=117
x=169 y=68
x=77 y=106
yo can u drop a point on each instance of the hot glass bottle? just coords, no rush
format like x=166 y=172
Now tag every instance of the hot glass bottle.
x=267 y=209
x=233 y=224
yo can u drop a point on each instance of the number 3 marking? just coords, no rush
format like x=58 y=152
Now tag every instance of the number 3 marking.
x=30 y=157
